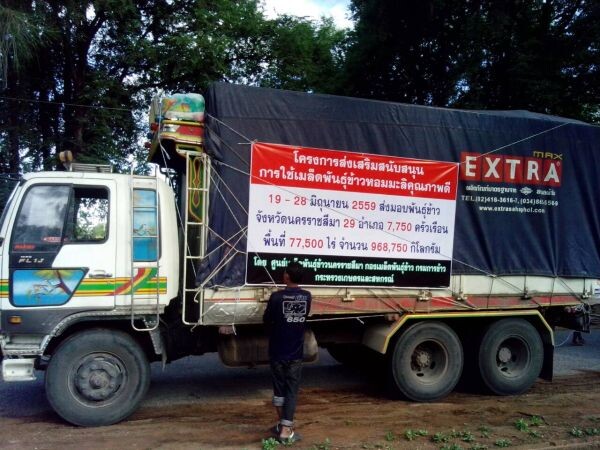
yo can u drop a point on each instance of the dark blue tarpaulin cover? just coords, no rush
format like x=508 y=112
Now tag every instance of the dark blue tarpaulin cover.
x=528 y=204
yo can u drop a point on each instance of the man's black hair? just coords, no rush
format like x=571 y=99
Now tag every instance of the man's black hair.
x=295 y=271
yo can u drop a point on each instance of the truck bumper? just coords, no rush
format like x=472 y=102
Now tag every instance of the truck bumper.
x=18 y=369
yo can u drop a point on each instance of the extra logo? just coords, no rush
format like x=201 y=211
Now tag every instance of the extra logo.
x=542 y=168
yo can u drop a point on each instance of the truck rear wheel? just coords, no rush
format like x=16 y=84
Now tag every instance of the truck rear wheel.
x=511 y=355
x=427 y=362
x=97 y=377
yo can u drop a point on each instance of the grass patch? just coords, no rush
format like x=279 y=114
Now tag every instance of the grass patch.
x=576 y=432
x=411 y=435
x=325 y=445
x=269 y=444
x=521 y=425
x=439 y=438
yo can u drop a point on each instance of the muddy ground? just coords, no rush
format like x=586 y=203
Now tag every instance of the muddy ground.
x=561 y=414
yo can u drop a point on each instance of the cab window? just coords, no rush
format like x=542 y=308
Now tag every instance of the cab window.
x=87 y=220
x=39 y=225
x=51 y=215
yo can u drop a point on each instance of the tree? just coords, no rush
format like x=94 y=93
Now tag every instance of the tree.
x=17 y=41
x=303 y=55
x=543 y=56
x=538 y=56
x=98 y=63
x=409 y=51
x=56 y=100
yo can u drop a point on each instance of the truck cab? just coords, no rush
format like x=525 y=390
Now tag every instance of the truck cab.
x=77 y=245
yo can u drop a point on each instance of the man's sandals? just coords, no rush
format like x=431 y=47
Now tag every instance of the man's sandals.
x=294 y=437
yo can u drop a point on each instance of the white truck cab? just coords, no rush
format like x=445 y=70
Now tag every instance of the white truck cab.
x=82 y=243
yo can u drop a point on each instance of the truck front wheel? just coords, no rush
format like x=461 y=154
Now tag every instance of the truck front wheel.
x=511 y=355
x=97 y=377
x=426 y=362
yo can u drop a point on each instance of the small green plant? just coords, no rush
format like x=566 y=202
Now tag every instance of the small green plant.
x=534 y=434
x=536 y=421
x=439 y=437
x=521 y=425
x=503 y=443
x=410 y=435
x=390 y=436
x=478 y=447
x=592 y=431
x=269 y=444
x=485 y=431
x=576 y=431
x=326 y=445
x=467 y=436
x=451 y=447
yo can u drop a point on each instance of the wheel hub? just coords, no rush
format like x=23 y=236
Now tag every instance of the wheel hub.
x=422 y=359
x=504 y=355
x=99 y=378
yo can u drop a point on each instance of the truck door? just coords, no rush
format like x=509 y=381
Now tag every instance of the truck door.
x=7 y=213
x=62 y=247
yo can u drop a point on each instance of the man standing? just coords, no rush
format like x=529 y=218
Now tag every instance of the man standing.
x=285 y=318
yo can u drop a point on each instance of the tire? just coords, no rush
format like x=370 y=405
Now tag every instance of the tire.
x=426 y=362
x=511 y=356
x=97 y=377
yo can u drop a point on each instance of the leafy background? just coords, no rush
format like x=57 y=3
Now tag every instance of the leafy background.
x=78 y=75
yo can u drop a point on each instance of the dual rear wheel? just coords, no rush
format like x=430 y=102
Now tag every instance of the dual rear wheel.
x=427 y=359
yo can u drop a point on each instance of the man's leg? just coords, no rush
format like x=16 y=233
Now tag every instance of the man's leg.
x=291 y=387
x=278 y=378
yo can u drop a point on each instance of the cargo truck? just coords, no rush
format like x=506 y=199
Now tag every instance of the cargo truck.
x=445 y=242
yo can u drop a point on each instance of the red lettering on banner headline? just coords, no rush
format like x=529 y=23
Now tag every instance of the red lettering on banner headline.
x=312 y=168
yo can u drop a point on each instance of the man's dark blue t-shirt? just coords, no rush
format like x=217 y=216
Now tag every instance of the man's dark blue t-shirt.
x=285 y=316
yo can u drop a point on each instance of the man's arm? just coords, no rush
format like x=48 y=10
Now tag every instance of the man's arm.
x=268 y=314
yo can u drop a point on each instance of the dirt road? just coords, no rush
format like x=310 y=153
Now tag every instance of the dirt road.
x=198 y=404
x=561 y=414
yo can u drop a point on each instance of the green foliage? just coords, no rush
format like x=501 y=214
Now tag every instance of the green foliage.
x=503 y=443
x=478 y=447
x=390 y=436
x=483 y=54
x=521 y=425
x=94 y=65
x=451 y=447
x=412 y=434
x=485 y=431
x=18 y=40
x=302 y=55
x=440 y=437
x=270 y=444
x=536 y=421
x=576 y=432
x=325 y=445
x=467 y=436
x=76 y=75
